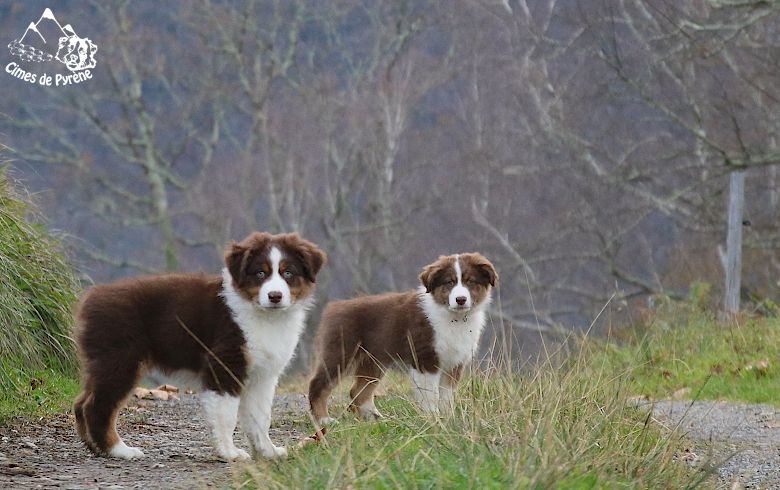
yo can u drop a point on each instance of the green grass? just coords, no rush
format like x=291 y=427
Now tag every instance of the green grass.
x=37 y=293
x=565 y=426
x=569 y=424
x=683 y=349
x=38 y=393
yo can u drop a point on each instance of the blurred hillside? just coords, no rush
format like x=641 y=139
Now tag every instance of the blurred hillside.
x=584 y=147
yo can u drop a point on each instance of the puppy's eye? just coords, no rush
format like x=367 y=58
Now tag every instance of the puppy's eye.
x=451 y=282
x=287 y=274
x=260 y=275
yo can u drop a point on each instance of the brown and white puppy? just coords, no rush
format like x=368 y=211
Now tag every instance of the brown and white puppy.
x=434 y=330
x=234 y=334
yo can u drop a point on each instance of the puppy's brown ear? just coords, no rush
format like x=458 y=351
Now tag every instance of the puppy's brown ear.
x=312 y=257
x=486 y=268
x=426 y=277
x=235 y=259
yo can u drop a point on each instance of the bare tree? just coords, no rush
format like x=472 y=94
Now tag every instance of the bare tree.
x=584 y=147
x=714 y=88
x=152 y=128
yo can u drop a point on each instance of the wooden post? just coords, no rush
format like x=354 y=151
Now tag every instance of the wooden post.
x=734 y=243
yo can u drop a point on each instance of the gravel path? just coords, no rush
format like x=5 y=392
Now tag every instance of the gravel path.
x=47 y=453
x=743 y=440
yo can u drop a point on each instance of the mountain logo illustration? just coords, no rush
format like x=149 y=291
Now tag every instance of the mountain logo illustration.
x=48 y=40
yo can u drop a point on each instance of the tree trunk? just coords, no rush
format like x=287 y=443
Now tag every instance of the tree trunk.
x=734 y=243
x=164 y=223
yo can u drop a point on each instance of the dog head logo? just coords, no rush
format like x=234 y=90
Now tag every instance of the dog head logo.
x=77 y=53
x=48 y=40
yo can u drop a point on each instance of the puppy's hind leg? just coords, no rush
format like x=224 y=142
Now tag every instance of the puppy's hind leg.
x=367 y=376
x=81 y=424
x=320 y=387
x=101 y=408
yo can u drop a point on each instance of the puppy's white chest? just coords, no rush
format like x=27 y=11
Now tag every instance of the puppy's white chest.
x=270 y=349
x=456 y=342
x=271 y=339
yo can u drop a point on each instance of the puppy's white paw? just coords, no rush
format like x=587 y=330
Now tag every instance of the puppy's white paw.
x=234 y=454
x=370 y=413
x=274 y=452
x=281 y=451
x=123 y=451
x=242 y=455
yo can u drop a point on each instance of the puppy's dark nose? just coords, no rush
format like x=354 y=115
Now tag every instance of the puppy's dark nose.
x=275 y=297
x=461 y=300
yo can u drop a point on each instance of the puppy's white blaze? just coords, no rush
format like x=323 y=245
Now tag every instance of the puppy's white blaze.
x=276 y=284
x=123 y=451
x=459 y=289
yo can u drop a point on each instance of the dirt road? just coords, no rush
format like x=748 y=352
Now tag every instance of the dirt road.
x=743 y=440
x=178 y=455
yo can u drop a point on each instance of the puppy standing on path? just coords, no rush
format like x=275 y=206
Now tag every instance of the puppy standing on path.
x=434 y=331
x=233 y=333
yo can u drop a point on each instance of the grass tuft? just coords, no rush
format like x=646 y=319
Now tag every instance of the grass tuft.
x=569 y=424
x=38 y=290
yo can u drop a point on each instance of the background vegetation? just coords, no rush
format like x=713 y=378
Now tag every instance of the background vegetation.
x=585 y=147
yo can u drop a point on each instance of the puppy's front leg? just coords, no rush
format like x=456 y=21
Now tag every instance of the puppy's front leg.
x=426 y=386
x=255 y=414
x=447 y=385
x=446 y=402
x=221 y=411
